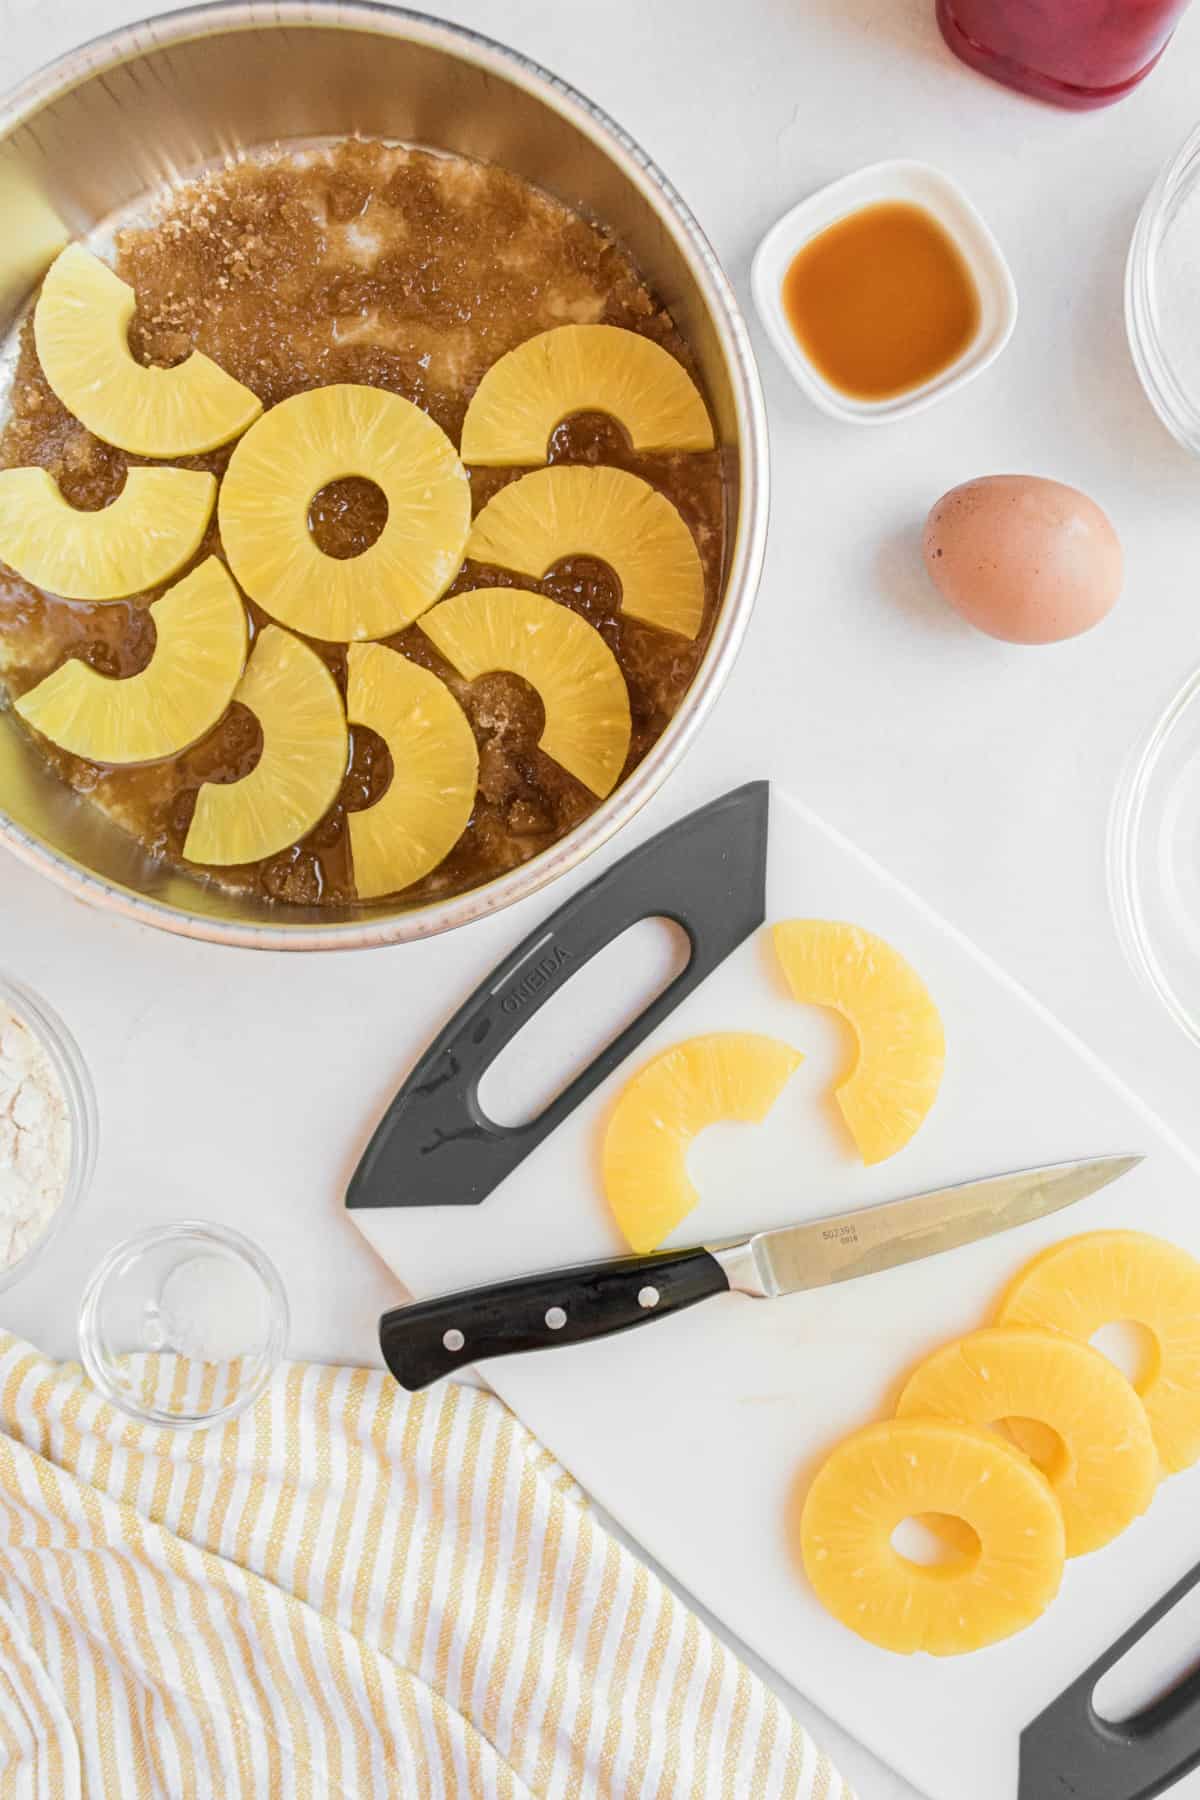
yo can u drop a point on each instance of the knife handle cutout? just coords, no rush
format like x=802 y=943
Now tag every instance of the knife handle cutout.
x=1070 y=1752
x=1154 y=1668
x=436 y=1146
x=581 y=1018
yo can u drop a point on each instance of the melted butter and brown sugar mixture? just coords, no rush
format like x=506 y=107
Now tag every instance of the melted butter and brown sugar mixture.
x=401 y=270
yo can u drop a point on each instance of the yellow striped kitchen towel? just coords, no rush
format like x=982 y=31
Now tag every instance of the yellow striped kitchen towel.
x=347 y=1591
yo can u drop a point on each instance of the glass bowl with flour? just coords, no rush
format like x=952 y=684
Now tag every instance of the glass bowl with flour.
x=47 y=1127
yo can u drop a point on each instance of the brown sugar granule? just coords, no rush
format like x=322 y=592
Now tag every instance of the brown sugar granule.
x=402 y=269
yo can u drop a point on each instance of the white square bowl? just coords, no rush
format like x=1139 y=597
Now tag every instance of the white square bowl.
x=923 y=186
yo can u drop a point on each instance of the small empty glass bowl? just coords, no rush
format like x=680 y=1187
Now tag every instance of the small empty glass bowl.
x=1154 y=859
x=1162 y=295
x=183 y=1325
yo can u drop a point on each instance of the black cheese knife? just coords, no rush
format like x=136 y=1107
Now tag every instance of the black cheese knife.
x=1070 y=1753
x=435 y=1145
x=431 y=1338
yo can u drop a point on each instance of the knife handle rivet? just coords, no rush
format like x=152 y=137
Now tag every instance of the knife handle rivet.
x=556 y=1318
x=453 y=1339
x=648 y=1297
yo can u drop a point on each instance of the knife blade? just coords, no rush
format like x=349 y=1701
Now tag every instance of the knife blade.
x=884 y=1237
x=431 y=1338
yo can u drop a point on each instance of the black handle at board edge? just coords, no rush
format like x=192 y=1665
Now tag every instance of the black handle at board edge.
x=431 y=1338
x=435 y=1146
x=1070 y=1753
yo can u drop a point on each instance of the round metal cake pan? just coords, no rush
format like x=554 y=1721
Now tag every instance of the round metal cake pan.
x=110 y=122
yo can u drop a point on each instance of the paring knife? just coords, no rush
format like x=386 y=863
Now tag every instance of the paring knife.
x=431 y=1338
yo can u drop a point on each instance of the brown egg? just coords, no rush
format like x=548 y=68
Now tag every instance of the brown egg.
x=1025 y=559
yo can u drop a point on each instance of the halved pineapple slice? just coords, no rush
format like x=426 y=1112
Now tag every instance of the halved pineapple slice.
x=199 y=651
x=888 y=1473
x=901 y=1045
x=583 y=368
x=322 y=436
x=1126 y=1277
x=579 y=680
x=533 y=523
x=81 y=330
x=1106 y=1467
x=155 y=525
x=726 y=1075
x=296 y=779
x=435 y=770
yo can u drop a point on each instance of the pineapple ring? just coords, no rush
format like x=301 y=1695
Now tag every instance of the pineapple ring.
x=1112 y=1277
x=901 y=1044
x=322 y=436
x=81 y=330
x=199 y=652
x=533 y=523
x=588 y=727
x=887 y=1473
x=671 y=1099
x=526 y=394
x=435 y=770
x=296 y=779
x=1110 y=1470
x=156 y=524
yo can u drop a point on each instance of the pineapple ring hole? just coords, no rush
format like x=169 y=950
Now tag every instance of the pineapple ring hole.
x=369 y=771
x=346 y=516
x=1041 y=1444
x=1134 y=1349
x=588 y=581
x=156 y=349
x=504 y=706
x=230 y=752
x=96 y=481
x=941 y=1541
x=589 y=437
x=122 y=639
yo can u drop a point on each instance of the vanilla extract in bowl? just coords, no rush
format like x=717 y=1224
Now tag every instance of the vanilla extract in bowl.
x=882 y=301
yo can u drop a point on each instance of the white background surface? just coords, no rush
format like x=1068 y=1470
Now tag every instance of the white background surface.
x=978 y=773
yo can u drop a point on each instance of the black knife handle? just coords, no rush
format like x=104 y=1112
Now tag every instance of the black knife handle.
x=1070 y=1753
x=435 y=1145
x=432 y=1338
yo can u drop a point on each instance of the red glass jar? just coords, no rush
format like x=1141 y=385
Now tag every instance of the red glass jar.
x=1077 y=53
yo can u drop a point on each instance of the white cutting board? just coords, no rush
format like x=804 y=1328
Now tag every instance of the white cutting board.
x=697 y=1432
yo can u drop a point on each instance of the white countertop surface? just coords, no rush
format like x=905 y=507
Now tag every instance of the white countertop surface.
x=980 y=774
